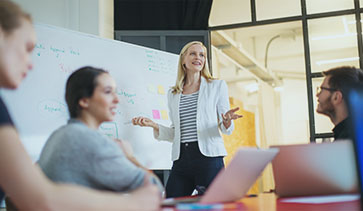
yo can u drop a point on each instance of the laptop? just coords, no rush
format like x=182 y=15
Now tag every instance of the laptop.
x=315 y=169
x=355 y=102
x=233 y=182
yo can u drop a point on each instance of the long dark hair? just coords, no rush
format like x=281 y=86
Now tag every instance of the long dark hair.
x=81 y=84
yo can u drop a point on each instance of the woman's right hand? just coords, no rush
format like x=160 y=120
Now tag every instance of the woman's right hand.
x=144 y=122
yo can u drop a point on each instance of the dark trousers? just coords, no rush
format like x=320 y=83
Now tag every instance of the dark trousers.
x=192 y=169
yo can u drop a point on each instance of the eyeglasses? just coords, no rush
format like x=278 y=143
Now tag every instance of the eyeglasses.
x=321 y=88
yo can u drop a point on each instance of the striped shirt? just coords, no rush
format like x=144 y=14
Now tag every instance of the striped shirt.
x=188 y=117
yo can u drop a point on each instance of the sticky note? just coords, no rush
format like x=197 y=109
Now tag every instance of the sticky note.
x=156 y=114
x=161 y=90
x=164 y=114
x=109 y=129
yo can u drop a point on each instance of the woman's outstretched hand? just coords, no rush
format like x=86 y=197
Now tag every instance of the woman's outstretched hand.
x=229 y=116
x=144 y=122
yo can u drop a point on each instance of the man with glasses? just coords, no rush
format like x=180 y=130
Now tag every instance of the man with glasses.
x=331 y=97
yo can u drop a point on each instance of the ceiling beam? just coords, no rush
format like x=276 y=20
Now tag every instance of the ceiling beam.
x=228 y=46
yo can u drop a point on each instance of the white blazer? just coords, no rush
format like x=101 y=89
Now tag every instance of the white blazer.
x=213 y=101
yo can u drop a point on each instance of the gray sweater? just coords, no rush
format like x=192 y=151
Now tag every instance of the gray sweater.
x=77 y=154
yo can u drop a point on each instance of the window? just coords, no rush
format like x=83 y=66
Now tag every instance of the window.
x=281 y=8
x=319 y=6
x=239 y=11
x=333 y=46
x=278 y=50
x=273 y=41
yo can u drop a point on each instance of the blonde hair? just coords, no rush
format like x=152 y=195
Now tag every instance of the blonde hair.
x=178 y=88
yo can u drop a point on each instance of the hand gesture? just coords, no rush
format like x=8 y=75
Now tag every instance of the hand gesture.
x=143 y=122
x=229 y=116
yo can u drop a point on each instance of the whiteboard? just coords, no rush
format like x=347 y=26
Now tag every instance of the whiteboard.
x=143 y=77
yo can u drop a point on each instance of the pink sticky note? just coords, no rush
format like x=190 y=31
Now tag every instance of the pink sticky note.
x=156 y=114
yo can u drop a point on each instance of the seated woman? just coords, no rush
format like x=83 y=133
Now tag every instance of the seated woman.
x=77 y=153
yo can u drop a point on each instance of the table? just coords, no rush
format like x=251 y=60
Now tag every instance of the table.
x=270 y=202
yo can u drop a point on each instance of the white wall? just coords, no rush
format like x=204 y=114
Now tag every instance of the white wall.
x=89 y=16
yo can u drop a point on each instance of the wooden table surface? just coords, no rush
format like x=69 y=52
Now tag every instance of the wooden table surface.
x=270 y=202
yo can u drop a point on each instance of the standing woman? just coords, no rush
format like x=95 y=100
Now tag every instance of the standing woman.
x=24 y=182
x=199 y=110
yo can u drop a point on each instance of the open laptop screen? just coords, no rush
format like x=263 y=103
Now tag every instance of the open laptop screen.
x=356 y=113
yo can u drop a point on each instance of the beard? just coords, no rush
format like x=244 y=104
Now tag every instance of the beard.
x=326 y=108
